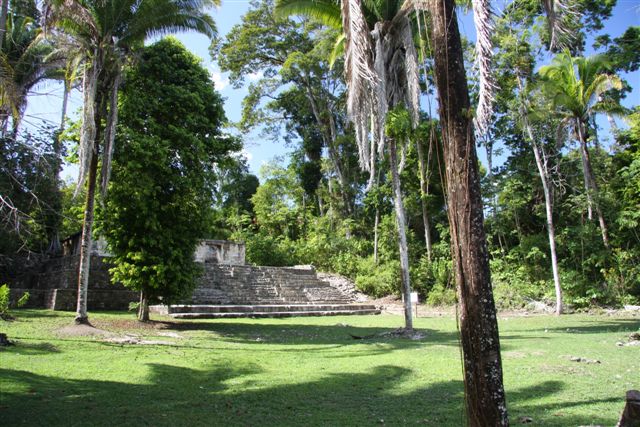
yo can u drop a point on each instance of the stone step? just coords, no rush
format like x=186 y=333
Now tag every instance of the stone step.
x=248 y=308
x=267 y=314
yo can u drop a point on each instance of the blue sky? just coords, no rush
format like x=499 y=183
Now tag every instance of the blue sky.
x=46 y=105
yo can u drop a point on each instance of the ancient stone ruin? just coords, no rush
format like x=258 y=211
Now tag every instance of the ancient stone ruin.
x=227 y=288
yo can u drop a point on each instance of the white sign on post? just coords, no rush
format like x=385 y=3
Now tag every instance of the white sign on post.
x=414 y=301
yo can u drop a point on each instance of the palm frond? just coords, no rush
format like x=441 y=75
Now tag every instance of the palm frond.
x=412 y=95
x=337 y=51
x=559 y=14
x=361 y=81
x=483 y=19
x=325 y=11
x=599 y=85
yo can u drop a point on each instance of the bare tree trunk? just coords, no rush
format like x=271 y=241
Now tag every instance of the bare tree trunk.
x=631 y=415
x=54 y=245
x=376 y=225
x=484 y=391
x=328 y=133
x=591 y=186
x=143 y=308
x=65 y=102
x=82 y=316
x=551 y=231
x=424 y=191
x=4 y=11
x=402 y=234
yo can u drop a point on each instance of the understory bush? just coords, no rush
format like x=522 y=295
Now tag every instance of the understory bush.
x=441 y=295
x=378 y=280
x=5 y=294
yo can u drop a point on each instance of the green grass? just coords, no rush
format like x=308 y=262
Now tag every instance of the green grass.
x=305 y=371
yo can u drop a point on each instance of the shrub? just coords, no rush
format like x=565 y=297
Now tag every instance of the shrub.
x=5 y=294
x=428 y=274
x=442 y=295
x=380 y=280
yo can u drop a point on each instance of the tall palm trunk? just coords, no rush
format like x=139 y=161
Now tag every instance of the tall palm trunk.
x=424 y=191
x=484 y=392
x=590 y=184
x=54 y=245
x=543 y=171
x=551 y=231
x=402 y=234
x=82 y=316
x=375 y=236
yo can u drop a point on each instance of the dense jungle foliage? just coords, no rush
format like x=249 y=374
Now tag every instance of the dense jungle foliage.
x=315 y=207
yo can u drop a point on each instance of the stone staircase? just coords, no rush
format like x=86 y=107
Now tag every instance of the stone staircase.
x=229 y=291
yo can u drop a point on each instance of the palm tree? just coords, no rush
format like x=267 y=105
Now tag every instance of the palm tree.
x=107 y=33
x=542 y=163
x=25 y=61
x=381 y=71
x=377 y=79
x=574 y=85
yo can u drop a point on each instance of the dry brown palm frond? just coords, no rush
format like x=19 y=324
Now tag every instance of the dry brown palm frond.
x=483 y=19
x=412 y=95
x=360 y=78
x=559 y=13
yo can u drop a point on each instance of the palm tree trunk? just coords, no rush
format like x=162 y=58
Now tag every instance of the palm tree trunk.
x=551 y=231
x=65 y=102
x=376 y=225
x=591 y=186
x=484 y=391
x=54 y=245
x=424 y=191
x=402 y=234
x=543 y=171
x=82 y=316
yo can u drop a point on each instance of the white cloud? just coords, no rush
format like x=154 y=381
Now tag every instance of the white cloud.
x=219 y=80
x=246 y=154
x=255 y=76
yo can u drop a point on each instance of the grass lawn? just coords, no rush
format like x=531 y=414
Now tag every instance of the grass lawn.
x=304 y=371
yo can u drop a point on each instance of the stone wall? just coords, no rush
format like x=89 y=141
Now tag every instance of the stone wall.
x=220 y=252
x=225 y=280
x=54 y=284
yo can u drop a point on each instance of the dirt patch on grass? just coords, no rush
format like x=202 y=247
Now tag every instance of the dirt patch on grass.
x=81 y=331
x=132 y=325
x=130 y=339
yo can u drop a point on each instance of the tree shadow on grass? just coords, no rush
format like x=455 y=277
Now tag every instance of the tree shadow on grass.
x=37 y=313
x=245 y=396
x=600 y=327
x=304 y=334
x=31 y=349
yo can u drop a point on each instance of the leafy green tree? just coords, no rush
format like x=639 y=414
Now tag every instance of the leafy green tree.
x=169 y=140
x=294 y=90
x=107 y=33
